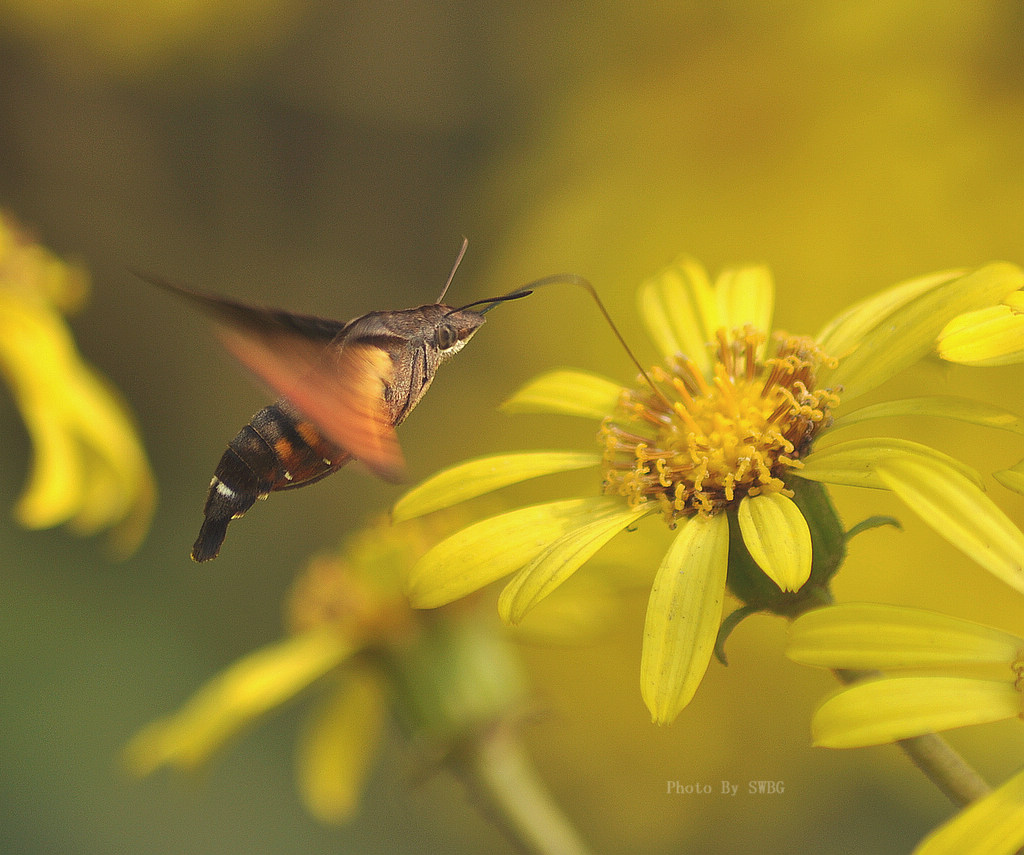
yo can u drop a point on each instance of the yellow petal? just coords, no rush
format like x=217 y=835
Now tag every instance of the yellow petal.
x=942 y=406
x=993 y=825
x=855 y=463
x=119 y=489
x=986 y=337
x=892 y=708
x=683 y=615
x=560 y=560
x=483 y=475
x=245 y=691
x=904 y=336
x=680 y=311
x=746 y=295
x=960 y=512
x=872 y=635
x=843 y=334
x=56 y=479
x=567 y=392
x=88 y=464
x=337 y=746
x=1013 y=478
x=495 y=547
x=778 y=539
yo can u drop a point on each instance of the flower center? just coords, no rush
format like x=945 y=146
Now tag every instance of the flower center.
x=698 y=445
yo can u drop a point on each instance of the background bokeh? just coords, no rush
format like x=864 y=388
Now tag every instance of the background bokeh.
x=328 y=158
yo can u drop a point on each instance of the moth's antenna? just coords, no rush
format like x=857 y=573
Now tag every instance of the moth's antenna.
x=574 y=279
x=455 y=266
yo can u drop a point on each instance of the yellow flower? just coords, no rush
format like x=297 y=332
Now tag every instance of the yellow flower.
x=869 y=636
x=723 y=442
x=947 y=695
x=993 y=335
x=993 y=825
x=89 y=467
x=354 y=637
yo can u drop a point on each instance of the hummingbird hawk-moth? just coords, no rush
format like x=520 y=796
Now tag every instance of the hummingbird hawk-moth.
x=344 y=388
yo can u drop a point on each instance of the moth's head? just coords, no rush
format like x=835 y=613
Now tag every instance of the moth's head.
x=457 y=326
x=454 y=328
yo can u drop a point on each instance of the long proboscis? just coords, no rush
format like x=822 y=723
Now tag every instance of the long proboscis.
x=576 y=279
x=490 y=302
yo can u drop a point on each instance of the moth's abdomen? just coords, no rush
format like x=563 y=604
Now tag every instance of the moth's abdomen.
x=277 y=450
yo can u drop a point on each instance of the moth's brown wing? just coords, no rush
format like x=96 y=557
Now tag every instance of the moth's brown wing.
x=340 y=390
x=338 y=386
x=268 y=323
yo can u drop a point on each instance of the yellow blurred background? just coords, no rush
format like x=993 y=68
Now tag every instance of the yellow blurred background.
x=328 y=158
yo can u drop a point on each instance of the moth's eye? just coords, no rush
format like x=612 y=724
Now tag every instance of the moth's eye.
x=445 y=336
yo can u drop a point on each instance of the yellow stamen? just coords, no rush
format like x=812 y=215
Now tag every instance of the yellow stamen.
x=697 y=444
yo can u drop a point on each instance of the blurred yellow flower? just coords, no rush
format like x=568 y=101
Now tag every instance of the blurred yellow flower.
x=738 y=426
x=136 y=37
x=353 y=636
x=889 y=708
x=89 y=467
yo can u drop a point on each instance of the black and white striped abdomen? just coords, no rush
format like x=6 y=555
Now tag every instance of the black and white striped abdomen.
x=279 y=449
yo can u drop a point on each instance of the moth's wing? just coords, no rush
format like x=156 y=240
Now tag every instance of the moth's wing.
x=337 y=384
x=339 y=389
x=266 y=322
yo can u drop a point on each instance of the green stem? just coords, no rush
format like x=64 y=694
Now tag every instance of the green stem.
x=945 y=768
x=936 y=758
x=500 y=778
